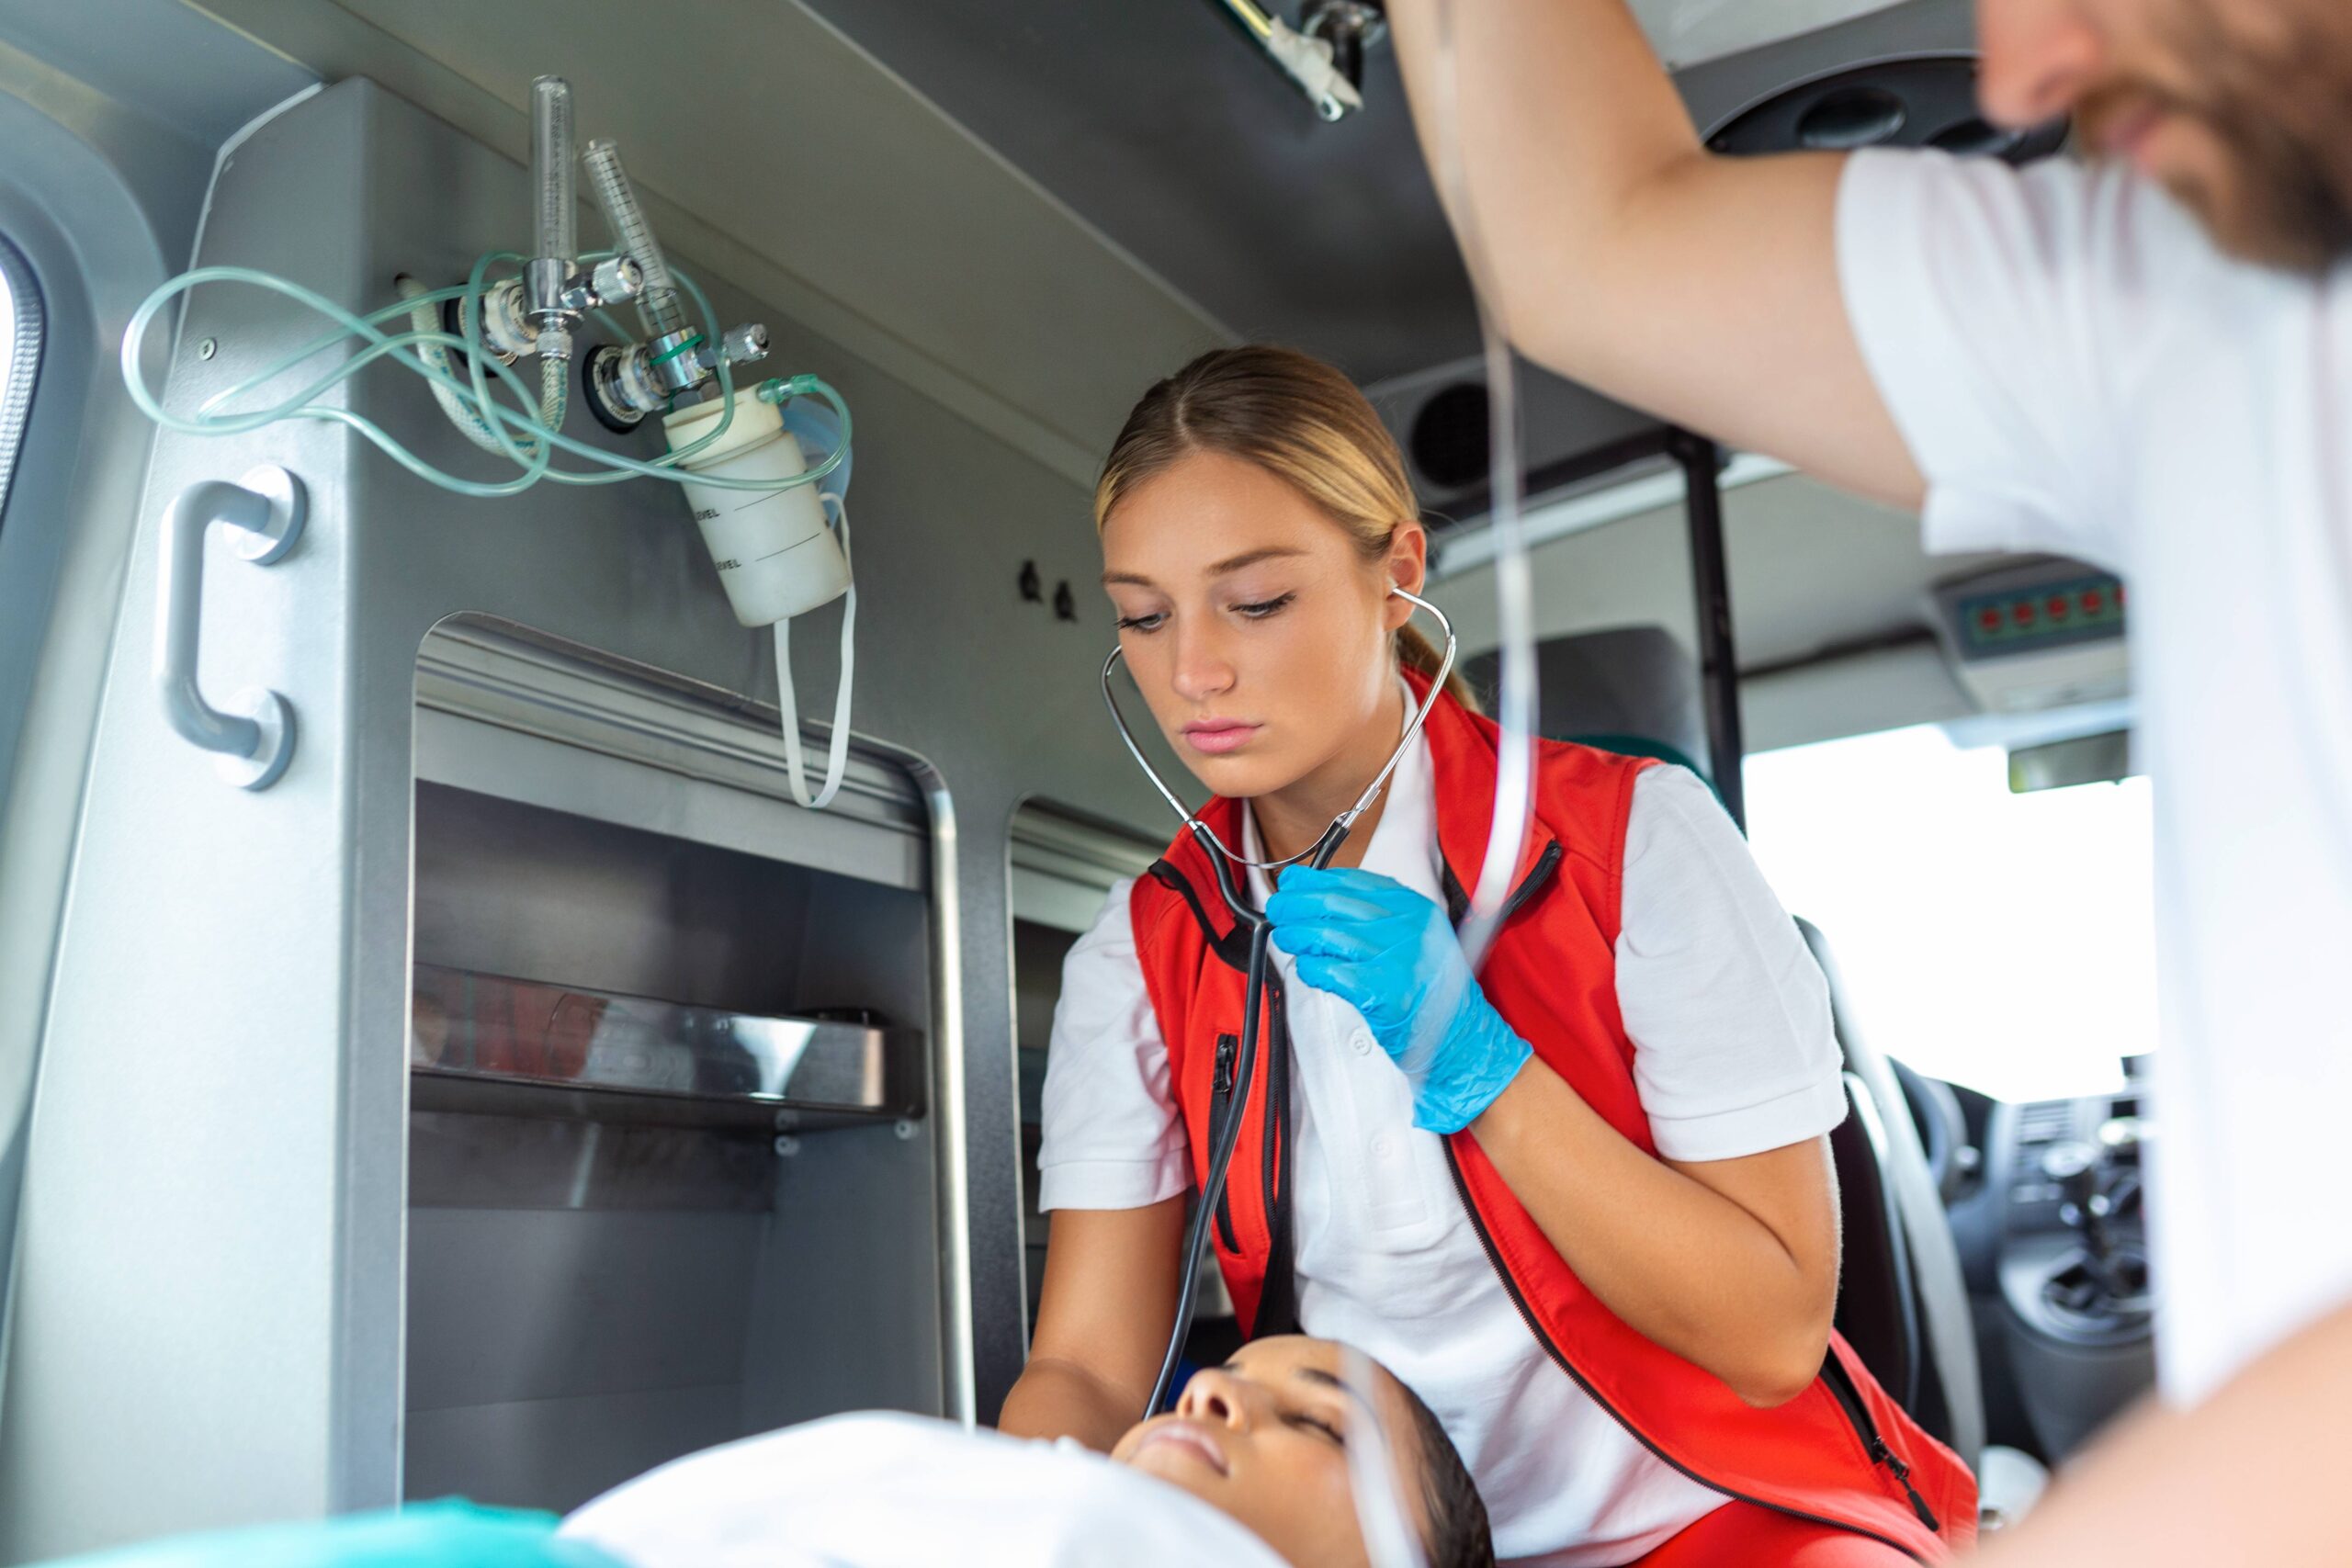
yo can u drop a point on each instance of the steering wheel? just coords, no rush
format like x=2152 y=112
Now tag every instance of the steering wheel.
x=1943 y=1128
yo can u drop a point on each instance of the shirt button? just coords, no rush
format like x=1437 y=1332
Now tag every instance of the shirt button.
x=1362 y=1042
x=1384 y=1147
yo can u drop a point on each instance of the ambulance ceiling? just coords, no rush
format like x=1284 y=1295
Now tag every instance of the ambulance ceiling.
x=1158 y=122
x=1691 y=32
x=855 y=159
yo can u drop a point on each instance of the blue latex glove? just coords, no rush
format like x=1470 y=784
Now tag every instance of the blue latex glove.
x=1388 y=952
x=452 y=1534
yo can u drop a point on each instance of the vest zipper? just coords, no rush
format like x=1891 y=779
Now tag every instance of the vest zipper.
x=1220 y=1098
x=1527 y=1314
x=1538 y=876
x=1834 y=1373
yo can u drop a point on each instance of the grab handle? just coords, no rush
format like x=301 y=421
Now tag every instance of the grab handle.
x=252 y=736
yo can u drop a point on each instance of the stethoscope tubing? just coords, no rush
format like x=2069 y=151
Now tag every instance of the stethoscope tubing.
x=1341 y=823
x=1222 y=859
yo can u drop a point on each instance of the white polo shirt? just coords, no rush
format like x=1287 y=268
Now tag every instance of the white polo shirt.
x=1733 y=1054
x=2077 y=370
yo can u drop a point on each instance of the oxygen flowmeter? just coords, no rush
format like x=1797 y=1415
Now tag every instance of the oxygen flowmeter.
x=770 y=509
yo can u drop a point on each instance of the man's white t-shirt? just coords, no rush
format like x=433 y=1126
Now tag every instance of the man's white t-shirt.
x=2077 y=370
x=889 y=1491
x=1733 y=1054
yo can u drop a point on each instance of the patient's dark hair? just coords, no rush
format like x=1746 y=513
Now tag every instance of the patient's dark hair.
x=1458 y=1534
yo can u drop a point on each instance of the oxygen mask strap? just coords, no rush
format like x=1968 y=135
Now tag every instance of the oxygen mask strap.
x=837 y=753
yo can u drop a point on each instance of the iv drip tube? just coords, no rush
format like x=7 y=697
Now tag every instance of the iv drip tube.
x=1389 y=1540
x=1516 y=698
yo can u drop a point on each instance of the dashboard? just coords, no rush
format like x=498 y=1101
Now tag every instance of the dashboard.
x=2046 y=1209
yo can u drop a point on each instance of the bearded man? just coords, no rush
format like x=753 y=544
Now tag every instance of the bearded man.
x=2140 y=357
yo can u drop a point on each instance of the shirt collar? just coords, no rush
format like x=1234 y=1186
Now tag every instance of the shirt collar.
x=1404 y=844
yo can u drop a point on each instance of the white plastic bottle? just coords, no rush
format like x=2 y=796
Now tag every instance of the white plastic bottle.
x=775 y=557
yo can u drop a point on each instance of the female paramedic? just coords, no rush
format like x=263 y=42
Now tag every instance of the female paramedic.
x=1582 y=1201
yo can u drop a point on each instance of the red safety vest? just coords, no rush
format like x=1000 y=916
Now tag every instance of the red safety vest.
x=1842 y=1453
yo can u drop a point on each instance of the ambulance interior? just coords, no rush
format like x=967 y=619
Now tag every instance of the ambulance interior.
x=521 y=1088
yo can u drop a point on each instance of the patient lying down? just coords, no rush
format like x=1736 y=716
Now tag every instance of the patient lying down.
x=1261 y=1441
x=1249 y=1472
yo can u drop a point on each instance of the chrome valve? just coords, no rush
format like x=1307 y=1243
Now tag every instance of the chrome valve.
x=615 y=280
x=746 y=344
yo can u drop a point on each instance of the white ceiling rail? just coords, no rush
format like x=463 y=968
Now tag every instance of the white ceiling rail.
x=1591 y=508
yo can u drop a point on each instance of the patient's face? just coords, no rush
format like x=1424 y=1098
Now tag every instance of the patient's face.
x=1265 y=1440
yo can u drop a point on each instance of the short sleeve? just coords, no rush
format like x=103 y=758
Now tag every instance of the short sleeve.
x=1112 y=1137
x=1733 y=1053
x=1999 y=314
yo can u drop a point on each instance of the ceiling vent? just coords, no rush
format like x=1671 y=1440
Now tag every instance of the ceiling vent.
x=1927 y=101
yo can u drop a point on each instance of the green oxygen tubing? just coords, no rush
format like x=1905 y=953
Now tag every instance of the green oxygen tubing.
x=525 y=432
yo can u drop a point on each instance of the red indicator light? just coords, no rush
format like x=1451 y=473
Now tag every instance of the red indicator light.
x=2059 y=609
x=2118 y=597
x=2022 y=612
x=1990 y=619
x=2093 y=602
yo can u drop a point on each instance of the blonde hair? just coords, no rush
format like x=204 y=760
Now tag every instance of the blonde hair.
x=1301 y=421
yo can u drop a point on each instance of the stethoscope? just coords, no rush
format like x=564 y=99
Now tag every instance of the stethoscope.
x=1222 y=859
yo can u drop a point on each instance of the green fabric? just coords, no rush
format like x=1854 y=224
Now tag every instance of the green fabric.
x=1643 y=746
x=448 y=1534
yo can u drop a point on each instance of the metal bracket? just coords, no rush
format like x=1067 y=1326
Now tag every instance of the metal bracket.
x=252 y=736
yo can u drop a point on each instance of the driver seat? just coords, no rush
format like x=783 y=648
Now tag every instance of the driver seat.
x=1902 y=1297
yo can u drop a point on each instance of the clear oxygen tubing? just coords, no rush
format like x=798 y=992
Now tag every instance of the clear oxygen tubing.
x=301 y=404
x=1516 y=695
x=526 y=418
x=837 y=748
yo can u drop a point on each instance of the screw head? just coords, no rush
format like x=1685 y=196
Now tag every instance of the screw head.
x=905 y=1130
x=786 y=1145
x=208 y=347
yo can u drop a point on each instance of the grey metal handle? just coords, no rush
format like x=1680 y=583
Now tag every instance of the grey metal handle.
x=252 y=736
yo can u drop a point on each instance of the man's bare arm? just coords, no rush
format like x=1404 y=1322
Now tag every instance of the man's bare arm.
x=2254 y=1475
x=1619 y=251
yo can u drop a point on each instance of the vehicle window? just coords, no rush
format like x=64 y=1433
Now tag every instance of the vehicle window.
x=19 y=357
x=2004 y=941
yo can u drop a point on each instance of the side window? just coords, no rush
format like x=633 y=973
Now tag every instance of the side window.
x=20 y=324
